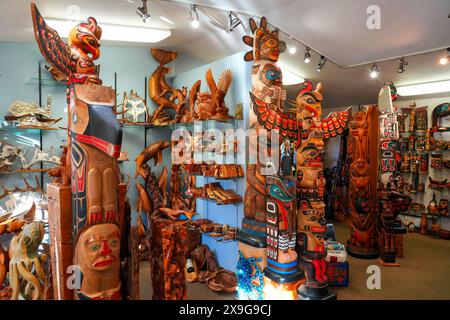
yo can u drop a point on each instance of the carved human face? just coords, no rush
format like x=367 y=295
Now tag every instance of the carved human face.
x=271 y=75
x=98 y=248
x=310 y=156
x=311 y=217
x=309 y=105
x=270 y=47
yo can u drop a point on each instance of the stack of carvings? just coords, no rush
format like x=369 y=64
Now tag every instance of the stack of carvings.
x=168 y=241
x=170 y=237
x=391 y=200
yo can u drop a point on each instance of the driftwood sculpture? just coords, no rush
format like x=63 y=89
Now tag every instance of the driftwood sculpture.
x=95 y=138
x=29 y=115
x=162 y=93
x=40 y=156
x=26 y=274
x=9 y=155
x=28 y=188
x=152 y=195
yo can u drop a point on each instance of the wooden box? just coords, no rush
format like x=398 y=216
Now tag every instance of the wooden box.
x=61 y=250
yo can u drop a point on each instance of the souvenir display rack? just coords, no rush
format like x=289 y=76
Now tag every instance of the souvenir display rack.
x=410 y=145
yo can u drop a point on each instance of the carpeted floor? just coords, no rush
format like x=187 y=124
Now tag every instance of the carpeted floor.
x=424 y=273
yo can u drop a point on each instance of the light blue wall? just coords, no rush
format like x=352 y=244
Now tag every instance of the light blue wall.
x=226 y=253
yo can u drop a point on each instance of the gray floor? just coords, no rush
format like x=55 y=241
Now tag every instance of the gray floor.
x=424 y=274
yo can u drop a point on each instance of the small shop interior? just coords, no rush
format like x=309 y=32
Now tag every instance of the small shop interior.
x=220 y=150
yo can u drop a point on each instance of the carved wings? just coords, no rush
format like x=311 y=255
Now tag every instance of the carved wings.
x=225 y=81
x=223 y=84
x=334 y=124
x=54 y=50
x=210 y=81
x=270 y=119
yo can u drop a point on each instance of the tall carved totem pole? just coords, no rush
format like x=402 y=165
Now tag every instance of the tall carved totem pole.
x=363 y=151
x=391 y=200
x=95 y=139
x=311 y=223
x=267 y=237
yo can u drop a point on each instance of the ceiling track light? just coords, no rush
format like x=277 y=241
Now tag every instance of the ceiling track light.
x=193 y=17
x=292 y=47
x=142 y=12
x=321 y=63
x=233 y=21
x=374 y=71
x=307 y=58
x=446 y=58
x=401 y=65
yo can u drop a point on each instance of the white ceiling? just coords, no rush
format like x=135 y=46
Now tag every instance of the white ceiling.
x=337 y=29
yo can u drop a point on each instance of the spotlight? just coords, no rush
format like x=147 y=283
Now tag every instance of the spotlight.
x=233 y=21
x=374 y=71
x=401 y=65
x=444 y=60
x=142 y=12
x=307 y=58
x=321 y=63
x=292 y=47
x=193 y=17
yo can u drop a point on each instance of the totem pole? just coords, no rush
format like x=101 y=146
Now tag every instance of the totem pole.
x=363 y=145
x=269 y=219
x=95 y=139
x=311 y=223
x=391 y=200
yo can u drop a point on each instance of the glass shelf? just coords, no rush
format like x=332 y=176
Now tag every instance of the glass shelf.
x=218 y=239
x=46 y=82
x=180 y=125
x=218 y=204
x=14 y=125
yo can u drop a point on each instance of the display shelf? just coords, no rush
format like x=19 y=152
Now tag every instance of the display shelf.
x=46 y=82
x=218 y=239
x=216 y=178
x=219 y=204
x=34 y=170
x=14 y=126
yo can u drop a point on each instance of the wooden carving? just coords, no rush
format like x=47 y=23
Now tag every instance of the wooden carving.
x=391 y=204
x=211 y=105
x=172 y=242
x=311 y=223
x=267 y=104
x=266 y=86
x=26 y=274
x=29 y=115
x=151 y=195
x=95 y=138
x=363 y=143
x=161 y=92
x=4 y=265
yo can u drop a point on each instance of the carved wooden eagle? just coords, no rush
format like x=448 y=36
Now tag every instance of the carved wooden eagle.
x=219 y=91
